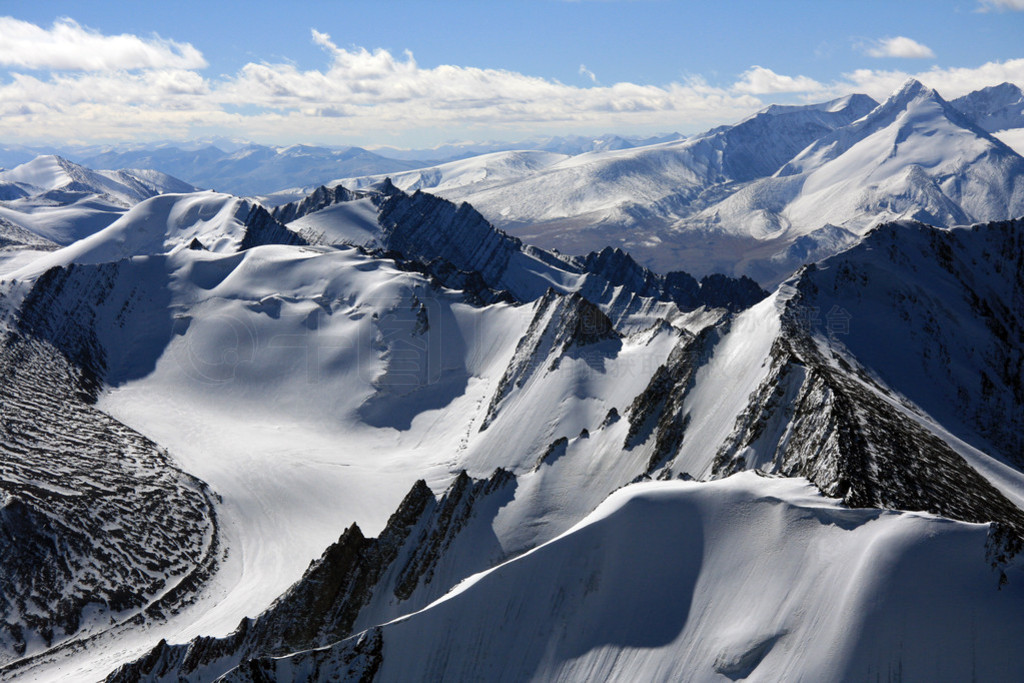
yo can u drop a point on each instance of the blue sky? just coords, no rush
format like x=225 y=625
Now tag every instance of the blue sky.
x=421 y=73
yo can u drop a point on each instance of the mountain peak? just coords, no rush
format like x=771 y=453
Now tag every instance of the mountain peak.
x=912 y=89
x=997 y=107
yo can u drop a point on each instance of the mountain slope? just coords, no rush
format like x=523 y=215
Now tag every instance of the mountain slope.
x=100 y=531
x=995 y=108
x=785 y=187
x=456 y=245
x=252 y=169
x=663 y=581
x=912 y=157
x=443 y=407
x=61 y=202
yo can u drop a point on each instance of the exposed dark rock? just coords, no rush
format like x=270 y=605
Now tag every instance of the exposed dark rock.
x=561 y=325
x=320 y=198
x=94 y=518
x=261 y=228
x=326 y=604
x=659 y=408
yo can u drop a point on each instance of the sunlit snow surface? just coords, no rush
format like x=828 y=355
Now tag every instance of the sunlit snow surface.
x=310 y=387
x=743 y=578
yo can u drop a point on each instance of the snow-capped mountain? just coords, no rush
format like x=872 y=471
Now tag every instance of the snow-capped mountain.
x=995 y=108
x=561 y=144
x=370 y=434
x=913 y=157
x=411 y=426
x=785 y=187
x=53 y=174
x=584 y=202
x=661 y=581
x=999 y=110
x=59 y=202
x=252 y=169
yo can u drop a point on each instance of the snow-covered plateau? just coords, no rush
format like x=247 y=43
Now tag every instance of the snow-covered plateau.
x=368 y=435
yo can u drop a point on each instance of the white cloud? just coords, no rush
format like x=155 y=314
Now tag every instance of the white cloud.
x=1000 y=5
x=68 y=46
x=360 y=94
x=759 y=80
x=584 y=71
x=900 y=46
x=363 y=96
x=380 y=88
x=950 y=82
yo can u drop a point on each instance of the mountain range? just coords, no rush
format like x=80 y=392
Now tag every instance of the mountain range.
x=245 y=168
x=374 y=433
x=752 y=199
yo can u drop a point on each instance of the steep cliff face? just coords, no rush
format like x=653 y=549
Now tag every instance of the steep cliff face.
x=423 y=227
x=262 y=228
x=938 y=316
x=320 y=198
x=99 y=527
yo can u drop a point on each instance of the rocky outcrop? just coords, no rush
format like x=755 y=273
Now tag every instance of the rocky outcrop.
x=658 y=410
x=357 y=580
x=262 y=228
x=831 y=425
x=320 y=198
x=561 y=325
x=423 y=227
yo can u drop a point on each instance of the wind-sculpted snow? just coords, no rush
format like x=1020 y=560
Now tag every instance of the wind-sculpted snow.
x=320 y=388
x=561 y=325
x=208 y=221
x=746 y=578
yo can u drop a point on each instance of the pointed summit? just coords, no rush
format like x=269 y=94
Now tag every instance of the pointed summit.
x=912 y=89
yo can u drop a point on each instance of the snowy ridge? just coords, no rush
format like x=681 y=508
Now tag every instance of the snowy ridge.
x=358 y=581
x=62 y=202
x=520 y=186
x=250 y=169
x=953 y=298
x=452 y=449
x=459 y=247
x=787 y=186
x=913 y=157
x=999 y=107
x=663 y=581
